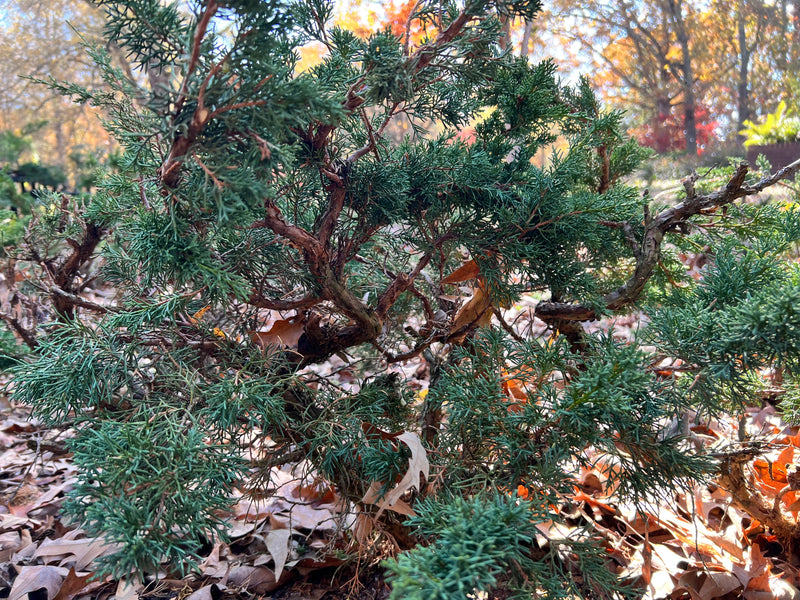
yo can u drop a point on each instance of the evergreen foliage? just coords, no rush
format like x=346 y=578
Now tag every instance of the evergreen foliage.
x=248 y=192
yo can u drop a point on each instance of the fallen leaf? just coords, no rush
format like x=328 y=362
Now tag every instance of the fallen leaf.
x=779 y=589
x=552 y=530
x=254 y=510
x=8 y=521
x=284 y=332
x=759 y=569
x=318 y=492
x=23 y=499
x=84 y=550
x=708 y=585
x=593 y=502
x=476 y=312
x=661 y=584
x=213 y=565
x=771 y=475
x=689 y=535
x=418 y=466
x=207 y=592
x=10 y=540
x=127 y=590
x=372 y=496
x=278 y=546
x=32 y=578
x=465 y=272
x=363 y=527
x=195 y=318
x=666 y=558
x=258 y=580
x=72 y=585
x=308 y=565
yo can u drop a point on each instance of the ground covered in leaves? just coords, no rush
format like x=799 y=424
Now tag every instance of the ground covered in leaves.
x=295 y=542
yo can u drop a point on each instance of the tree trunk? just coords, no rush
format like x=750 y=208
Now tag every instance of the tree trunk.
x=505 y=35
x=742 y=91
x=690 y=122
x=661 y=137
x=687 y=77
x=526 y=39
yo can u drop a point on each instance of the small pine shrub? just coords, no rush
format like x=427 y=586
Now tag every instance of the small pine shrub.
x=262 y=220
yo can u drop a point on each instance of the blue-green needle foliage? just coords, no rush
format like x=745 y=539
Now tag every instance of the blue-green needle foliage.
x=490 y=541
x=741 y=317
x=266 y=217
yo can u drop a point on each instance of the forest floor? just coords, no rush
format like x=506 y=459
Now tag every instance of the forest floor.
x=698 y=543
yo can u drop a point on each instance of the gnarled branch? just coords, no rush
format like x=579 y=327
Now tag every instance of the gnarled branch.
x=649 y=251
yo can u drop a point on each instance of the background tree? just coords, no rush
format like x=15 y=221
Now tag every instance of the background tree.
x=744 y=54
x=658 y=57
x=646 y=51
x=39 y=38
x=262 y=222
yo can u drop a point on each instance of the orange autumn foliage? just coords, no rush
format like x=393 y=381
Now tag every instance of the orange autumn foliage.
x=399 y=20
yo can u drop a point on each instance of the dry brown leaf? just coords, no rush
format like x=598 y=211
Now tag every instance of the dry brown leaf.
x=759 y=570
x=54 y=491
x=469 y=270
x=693 y=539
x=26 y=548
x=476 y=312
x=549 y=530
x=213 y=565
x=726 y=542
x=372 y=496
x=10 y=542
x=196 y=317
x=32 y=578
x=779 y=589
x=661 y=584
x=84 y=550
x=665 y=558
x=278 y=545
x=283 y=333
x=254 y=510
x=236 y=528
x=318 y=492
x=708 y=585
x=72 y=585
x=418 y=466
x=128 y=590
x=258 y=580
x=8 y=521
x=207 y=592
x=23 y=499
x=592 y=481
x=593 y=502
x=363 y=527
x=304 y=516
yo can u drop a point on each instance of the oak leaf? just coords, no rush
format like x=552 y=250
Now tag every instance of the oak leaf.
x=278 y=541
x=465 y=272
x=476 y=312
x=418 y=467
x=37 y=577
x=283 y=333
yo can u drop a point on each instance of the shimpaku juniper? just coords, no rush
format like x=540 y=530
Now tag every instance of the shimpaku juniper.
x=265 y=219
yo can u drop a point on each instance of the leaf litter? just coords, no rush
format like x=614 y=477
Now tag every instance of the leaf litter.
x=702 y=543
